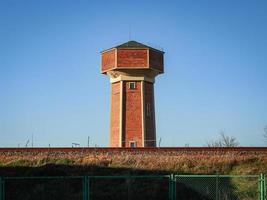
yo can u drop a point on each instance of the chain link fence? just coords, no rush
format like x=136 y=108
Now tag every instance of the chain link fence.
x=139 y=187
x=219 y=187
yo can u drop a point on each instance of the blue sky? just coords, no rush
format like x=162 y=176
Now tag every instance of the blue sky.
x=215 y=69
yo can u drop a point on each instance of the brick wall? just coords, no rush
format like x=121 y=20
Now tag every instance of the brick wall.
x=132 y=58
x=156 y=60
x=115 y=115
x=132 y=127
x=132 y=115
x=108 y=60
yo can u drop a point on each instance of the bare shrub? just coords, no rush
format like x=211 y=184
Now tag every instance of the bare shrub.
x=224 y=141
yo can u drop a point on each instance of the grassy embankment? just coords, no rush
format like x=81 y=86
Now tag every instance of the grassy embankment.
x=182 y=163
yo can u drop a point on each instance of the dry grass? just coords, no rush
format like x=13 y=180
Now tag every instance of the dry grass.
x=182 y=162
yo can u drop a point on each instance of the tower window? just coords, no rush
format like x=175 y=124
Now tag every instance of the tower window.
x=132 y=85
x=148 y=110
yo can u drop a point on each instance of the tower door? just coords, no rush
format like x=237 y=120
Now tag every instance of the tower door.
x=132 y=144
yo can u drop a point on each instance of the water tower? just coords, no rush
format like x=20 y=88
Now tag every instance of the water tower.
x=132 y=68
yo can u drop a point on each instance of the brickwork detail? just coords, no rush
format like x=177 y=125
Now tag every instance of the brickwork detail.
x=132 y=58
x=108 y=60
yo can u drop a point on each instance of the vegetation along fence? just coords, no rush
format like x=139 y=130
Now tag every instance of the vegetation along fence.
x=167 y=187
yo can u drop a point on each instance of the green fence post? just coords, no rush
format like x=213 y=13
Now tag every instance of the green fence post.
x=172 y=187
x=217 y=195
x=263 y=186
x=262 y=183
x=259 y=187
x=2 y=188
x=86 y=188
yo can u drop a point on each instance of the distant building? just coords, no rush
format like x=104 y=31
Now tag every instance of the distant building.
x=132 y=68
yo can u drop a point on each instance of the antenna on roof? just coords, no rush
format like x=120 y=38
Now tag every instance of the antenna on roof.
x=129 y=32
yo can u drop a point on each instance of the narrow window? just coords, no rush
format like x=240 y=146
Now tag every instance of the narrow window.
x=132 y=85
x=132 y=144
x=148 y=110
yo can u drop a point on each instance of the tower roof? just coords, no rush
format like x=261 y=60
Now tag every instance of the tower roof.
x=134 y=45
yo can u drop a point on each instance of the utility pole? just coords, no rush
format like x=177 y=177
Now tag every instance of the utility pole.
x=88 y=141
x=159 y=141
x=32 y=140
x=27 y=143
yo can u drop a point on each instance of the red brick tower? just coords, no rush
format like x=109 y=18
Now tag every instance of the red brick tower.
x=132 y=68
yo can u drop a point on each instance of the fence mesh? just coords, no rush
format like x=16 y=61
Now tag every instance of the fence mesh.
x=43 y=188
x=161 y=187
x=130 y=188
x=217 y=187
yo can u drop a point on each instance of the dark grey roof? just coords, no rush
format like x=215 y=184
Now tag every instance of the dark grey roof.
x=132 y=44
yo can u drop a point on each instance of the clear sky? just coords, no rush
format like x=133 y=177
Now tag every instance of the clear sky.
x=215 y=69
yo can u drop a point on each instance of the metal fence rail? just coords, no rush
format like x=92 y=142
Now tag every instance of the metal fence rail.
x=171 y=187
